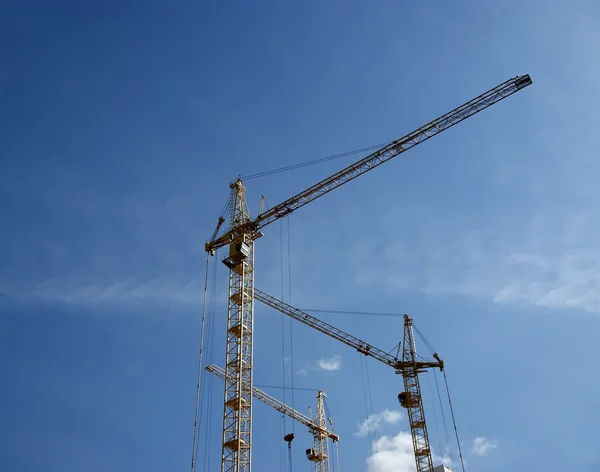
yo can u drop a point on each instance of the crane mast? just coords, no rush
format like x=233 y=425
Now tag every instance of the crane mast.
x=237 y=405
x=319 y=453
x=242 y=231
x=411 y=399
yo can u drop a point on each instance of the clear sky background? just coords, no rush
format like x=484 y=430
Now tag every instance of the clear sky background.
x=122 y=125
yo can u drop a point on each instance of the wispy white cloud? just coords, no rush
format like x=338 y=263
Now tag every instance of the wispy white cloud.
x=551 y=262
x=376 y=421
x=126 y=292
x=323 y=364
x=483 y=445
x=331 y=364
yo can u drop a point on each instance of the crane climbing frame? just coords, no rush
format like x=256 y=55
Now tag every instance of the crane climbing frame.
x=242 y=231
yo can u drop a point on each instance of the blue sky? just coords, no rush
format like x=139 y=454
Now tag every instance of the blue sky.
x=122 y=127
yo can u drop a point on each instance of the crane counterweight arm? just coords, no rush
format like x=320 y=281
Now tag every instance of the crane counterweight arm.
x=277 y=405
x=348 y=339
x=377 y=158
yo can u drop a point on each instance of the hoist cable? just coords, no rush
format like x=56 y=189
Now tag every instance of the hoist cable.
x=372 y=412
x=372 y=445
x=200 y=367
x=283 y=423
x=282 y=323
x=290 y=321
x=281 y=459
x=454 y=423
x=441 y=408
x=210 y=355
x=435 y=421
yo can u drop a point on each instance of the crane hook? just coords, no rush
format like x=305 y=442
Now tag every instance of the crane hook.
x=289 y=438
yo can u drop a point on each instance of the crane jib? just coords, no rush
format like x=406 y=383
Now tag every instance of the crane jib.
x=380 y=156
x=345 y=338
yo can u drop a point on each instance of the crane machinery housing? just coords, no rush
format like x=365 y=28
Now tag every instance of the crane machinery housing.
x=240 y=235
x=318 y=454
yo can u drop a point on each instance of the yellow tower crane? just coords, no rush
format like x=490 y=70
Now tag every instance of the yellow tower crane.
x=317 y=425
x=319 y=453
x=408 y=366
x=240 y=234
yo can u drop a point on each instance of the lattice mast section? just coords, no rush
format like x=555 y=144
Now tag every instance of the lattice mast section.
x=411 y=399
x=237 y=411
x=319 y=453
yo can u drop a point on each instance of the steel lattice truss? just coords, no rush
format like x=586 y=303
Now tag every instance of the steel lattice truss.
x=237 y=414
x=321 y=458
x=416 y=414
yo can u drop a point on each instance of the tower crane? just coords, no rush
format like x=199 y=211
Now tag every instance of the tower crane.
x=408 y=366
x=317 y=426
x=319 y=454
x=240 y=233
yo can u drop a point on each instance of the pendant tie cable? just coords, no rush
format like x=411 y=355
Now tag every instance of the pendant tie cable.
x=360 y=313
x=313 y=162
x=287 y=388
